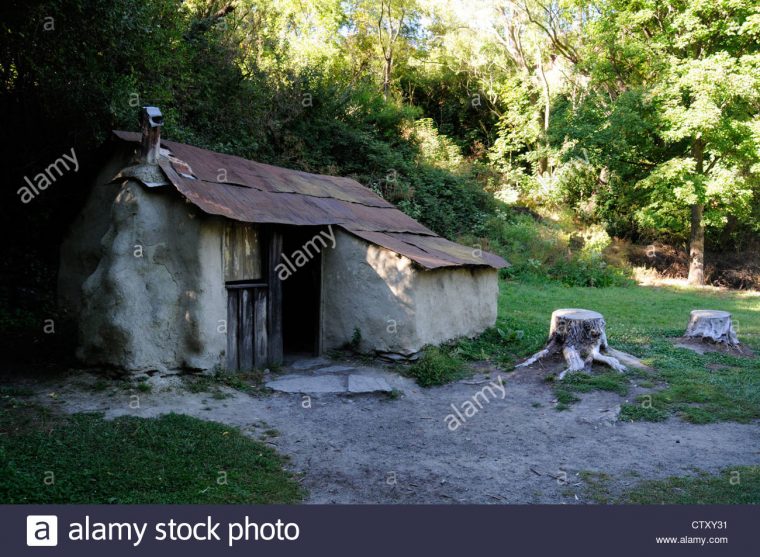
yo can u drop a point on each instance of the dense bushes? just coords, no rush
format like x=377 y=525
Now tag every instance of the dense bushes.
x=541 y=250
x=588 y=271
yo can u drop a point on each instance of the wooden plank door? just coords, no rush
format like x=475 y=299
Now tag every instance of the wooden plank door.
x=247 y=336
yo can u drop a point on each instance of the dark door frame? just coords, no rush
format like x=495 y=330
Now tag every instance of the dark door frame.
x=255 y=309
x=273 y=240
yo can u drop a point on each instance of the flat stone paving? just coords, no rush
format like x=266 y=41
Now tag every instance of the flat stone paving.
x=322 y=376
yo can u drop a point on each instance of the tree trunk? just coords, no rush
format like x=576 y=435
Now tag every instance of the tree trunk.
x=697 y=239
x=543 y=163
x=697 y=246
x=387 y=70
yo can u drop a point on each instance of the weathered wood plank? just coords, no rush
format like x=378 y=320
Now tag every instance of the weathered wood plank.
x=232 y=330
x=242 y=252
x=260 y=336
x=245 y=328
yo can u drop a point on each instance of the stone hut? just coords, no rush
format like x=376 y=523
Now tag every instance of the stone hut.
x=183 y=258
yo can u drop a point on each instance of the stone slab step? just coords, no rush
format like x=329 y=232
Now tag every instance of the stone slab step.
x=330 y=383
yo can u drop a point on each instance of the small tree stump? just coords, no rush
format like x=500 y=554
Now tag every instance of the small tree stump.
x=581 y=336
x=712 y=326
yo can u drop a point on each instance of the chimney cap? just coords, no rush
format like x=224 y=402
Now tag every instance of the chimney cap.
x=152 y=116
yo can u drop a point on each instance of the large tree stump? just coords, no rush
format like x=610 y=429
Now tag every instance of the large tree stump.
x=712 y=326
x=581 y=336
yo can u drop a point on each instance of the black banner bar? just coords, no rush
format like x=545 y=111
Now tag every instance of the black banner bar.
x=379 y=530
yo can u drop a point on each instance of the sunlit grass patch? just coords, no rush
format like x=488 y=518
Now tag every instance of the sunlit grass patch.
x=644 y=321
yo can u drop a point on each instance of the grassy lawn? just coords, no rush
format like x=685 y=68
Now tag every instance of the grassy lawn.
x=739 y=485
x=172 y=459
x=640 y=320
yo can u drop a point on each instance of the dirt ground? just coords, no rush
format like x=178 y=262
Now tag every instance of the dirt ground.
x=381 y=449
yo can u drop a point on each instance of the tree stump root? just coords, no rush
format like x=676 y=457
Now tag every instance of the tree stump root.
x=580 y=335
x=712 y=326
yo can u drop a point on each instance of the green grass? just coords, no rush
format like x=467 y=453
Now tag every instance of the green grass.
x=641 y=320
x=246 y=382
x=582 y=383
x=437 y=366
x=565 y=398
x=171 y=459
x=642 y=412
x=596 y=486
x=732 y=486
x=8 y=392
x=608 y=381
x=740 y=485
x=495 y=344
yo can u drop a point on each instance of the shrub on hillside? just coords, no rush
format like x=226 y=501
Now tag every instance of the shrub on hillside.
x=541 y=251
x=588 y=271
x=449 y=204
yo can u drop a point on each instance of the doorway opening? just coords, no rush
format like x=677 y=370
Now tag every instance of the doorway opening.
x=301 y=291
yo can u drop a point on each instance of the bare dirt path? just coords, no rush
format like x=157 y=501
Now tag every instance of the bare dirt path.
x=380 y=449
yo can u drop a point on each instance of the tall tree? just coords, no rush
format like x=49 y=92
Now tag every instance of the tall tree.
x=393 y=25
x=538 y=37
x=695 y=66
x=389 y=25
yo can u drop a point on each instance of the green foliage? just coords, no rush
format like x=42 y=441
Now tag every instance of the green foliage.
x=436 y=149
x=608 y=381
x=621 y=120
x=541 y=251
x=455 y=108
x=437 y=366
x=449 y=204
x=527 y=244
x=671 y=115
x=171 y=459
x=565 y=398
x=566 y=390
x=244 y=381
x=739 y=485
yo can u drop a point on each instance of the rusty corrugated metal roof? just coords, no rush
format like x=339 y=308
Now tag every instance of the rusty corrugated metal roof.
x=249 y=191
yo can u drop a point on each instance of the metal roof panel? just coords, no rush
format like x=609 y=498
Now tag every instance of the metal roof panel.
x=248 y=191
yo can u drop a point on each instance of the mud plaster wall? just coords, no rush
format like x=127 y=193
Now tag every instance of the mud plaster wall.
x=454 y=303
x=397 y=307
x=156 y=299
x=80 y=250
